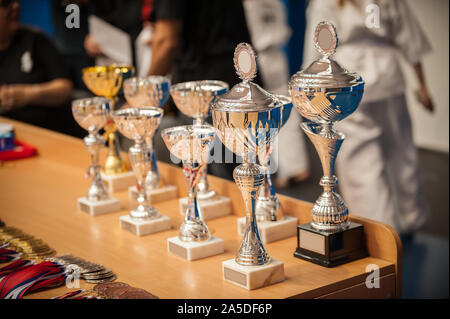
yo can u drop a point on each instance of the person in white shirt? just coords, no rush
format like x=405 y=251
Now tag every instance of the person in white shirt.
x=378 y=161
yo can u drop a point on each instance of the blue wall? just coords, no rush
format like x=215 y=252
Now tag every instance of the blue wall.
x=37 y=13
x=297 y=21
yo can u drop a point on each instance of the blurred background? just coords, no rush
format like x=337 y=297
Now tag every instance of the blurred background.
x=425 y=257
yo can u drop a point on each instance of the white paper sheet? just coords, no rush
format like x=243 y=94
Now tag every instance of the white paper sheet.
x=143 y=51
x=115 y=43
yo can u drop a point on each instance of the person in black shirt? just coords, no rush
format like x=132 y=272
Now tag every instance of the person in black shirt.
x=33 y=79
x=195 y=40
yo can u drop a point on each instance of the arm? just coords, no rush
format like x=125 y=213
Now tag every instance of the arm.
x=164 y=46
x=424 y=96
x=52 y=93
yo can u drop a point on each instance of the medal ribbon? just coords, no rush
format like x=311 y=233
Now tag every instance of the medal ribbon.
x=29 y=278
x=14 y=266
x=7 y=255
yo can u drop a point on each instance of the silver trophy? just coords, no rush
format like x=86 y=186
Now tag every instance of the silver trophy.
x=268 y=206
x=191 y=144
x=324 y=93
x=92 y=114
x=247 y=119
x=139 y=124
x=142 y=92
x=194 y=99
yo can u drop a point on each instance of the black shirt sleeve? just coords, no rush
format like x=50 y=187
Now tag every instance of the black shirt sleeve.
x=169 y=9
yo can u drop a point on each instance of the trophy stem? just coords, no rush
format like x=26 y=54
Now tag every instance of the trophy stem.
x=193 y=227
x=268 y=205
x=249 y=178
x=203 y=185
x=198 y=121
x=329 y=212
x=140 y=159
x=97 y=191
x=153 y=178
x=113 y=163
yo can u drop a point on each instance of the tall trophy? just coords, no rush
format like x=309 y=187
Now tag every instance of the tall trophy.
x=272 y=224
x=192 y=144
x=324 y=93
x=247 y=120
x=106 y=81
x=137 y=124
x=194 y=99
x=142 y=92
x=92 y=114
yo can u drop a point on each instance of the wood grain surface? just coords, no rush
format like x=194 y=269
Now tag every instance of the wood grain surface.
x=38 y=195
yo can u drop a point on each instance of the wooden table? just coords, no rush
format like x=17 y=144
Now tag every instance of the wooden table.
x=38 y=195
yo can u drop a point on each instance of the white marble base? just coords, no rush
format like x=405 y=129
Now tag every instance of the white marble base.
x=272 y=231
x=253 y=277
x=215 y=207
x=98 y=208
x=119 y=182
x=193 y=250
x=160 y=194
x=142 y=227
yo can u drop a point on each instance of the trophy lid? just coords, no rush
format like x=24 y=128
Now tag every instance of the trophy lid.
x=325 y=72
x=246 y=96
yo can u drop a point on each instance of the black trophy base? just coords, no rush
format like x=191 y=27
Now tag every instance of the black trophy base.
x=330 y=249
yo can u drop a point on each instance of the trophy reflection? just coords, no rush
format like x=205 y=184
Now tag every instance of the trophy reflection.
x=247 y=120
x=138 y=124
x=92 y=114
x=272 y=224
x=106 y=81
x=192 y=144
x=194 y=99
x=143 y=92
x=324 y=93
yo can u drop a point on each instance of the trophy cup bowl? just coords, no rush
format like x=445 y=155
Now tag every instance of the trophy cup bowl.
x=191 y=144
x=92 y=114
x=325 y=92
x=194 y=99
x=138 y=124
x=141 y=91
x=106 y=81
x=268 y=207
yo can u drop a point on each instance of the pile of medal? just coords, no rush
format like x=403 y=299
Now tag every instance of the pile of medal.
x=21 y=242
x=109 y=290
x=121 y=290
x=92 y=273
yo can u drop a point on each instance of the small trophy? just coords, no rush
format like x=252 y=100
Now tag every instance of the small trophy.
x=194 y=99
x=142 y=92
x=106 y=81
x=191 y=144
x=92 y=114
x=138 y=124
x=247 y=120
x=272 y=224
x=324 y=93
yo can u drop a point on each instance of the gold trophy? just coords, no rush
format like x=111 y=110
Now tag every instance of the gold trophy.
x=106 y=81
